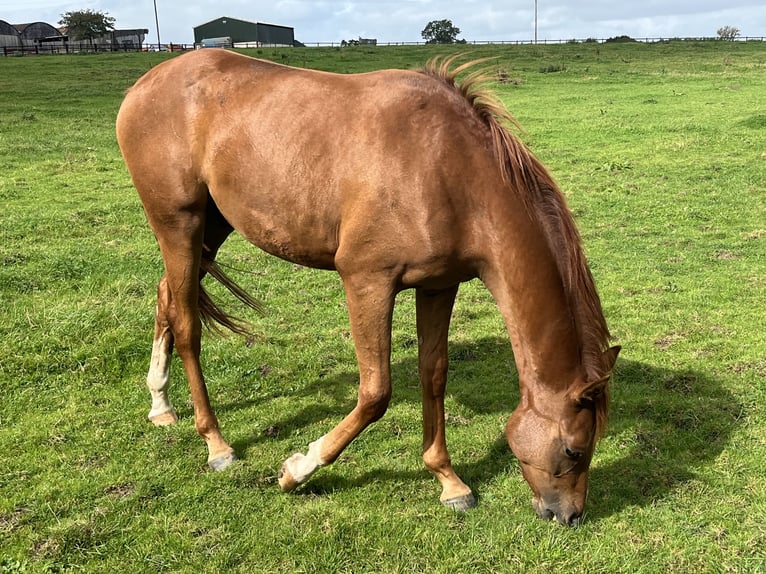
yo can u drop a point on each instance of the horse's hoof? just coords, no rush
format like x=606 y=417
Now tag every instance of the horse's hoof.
x=221 y=462
x=286 y=481
x=461 y=503
x=164 y=419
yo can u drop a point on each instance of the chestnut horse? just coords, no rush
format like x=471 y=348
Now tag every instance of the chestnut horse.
x=396 y=180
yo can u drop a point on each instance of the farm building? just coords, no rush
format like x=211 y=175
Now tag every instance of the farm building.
x=37 y=32
x=244 y=33
x=45 y=37
x=9 y=36
x=118 y=40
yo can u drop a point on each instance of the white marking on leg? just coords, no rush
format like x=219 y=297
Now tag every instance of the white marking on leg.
x=301 y=466
x=158 y=378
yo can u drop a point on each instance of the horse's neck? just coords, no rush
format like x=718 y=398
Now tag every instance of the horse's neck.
x=524 y=280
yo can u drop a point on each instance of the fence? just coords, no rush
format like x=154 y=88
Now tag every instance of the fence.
x=105 y=48
x=539 y=41
x=44 y=49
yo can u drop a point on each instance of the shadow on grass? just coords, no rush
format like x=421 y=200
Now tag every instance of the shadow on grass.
x=664 y=424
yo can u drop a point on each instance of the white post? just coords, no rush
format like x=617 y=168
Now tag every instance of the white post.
x=157 y=23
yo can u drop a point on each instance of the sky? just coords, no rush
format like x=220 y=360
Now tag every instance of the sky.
x=403 y=20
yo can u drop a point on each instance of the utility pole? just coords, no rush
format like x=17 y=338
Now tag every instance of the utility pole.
x=157 y=23
x=535 y=21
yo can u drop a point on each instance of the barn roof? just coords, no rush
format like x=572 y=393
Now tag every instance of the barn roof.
x=7 y=29
x=220 y=18
x=37 y=30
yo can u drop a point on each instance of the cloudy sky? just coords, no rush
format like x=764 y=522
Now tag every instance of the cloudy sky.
x=403 y=20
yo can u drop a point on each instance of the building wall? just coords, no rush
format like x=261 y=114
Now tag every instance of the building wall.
x=271 y=34
x=237 y=30
x=241 y=31
x=129 y=39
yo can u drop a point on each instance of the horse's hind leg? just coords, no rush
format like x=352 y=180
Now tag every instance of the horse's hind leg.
x=433 y=317
x=181 y=237
x=162 y=413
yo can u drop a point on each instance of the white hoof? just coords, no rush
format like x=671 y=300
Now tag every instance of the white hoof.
x=165 y=418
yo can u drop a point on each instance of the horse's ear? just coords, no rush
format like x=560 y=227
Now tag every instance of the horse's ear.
x=590 y=392
x=610 y=357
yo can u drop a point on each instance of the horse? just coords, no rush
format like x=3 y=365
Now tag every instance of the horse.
x=395 y=179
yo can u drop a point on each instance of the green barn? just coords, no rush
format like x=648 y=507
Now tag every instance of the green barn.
x=244 y=32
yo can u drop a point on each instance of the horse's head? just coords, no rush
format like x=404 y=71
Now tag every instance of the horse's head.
x=554 y=437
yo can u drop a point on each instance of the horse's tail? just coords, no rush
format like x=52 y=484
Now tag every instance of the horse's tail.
x=212 y=315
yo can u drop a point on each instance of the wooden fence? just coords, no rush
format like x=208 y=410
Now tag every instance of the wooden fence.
x=47 y=49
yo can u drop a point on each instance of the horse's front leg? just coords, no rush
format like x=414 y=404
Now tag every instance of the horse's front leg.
x=370 y=307
x=433 y=317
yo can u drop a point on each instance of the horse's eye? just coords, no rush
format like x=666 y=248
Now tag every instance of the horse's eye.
x=573 y=454
x=586 y=403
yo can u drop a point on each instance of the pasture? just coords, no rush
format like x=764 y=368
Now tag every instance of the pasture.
x=661 y=150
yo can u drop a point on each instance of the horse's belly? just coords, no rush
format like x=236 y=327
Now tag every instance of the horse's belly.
x=291 y=238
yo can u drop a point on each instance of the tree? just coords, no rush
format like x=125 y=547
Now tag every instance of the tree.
x=440 y=32
x=728 y=33
x=87 y=24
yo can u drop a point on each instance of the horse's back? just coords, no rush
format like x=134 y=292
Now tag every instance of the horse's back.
x=306 y=163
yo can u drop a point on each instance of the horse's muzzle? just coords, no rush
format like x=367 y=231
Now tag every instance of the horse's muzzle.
x=566 y=516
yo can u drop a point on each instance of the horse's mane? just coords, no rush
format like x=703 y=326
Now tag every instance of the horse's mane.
x=543 y=200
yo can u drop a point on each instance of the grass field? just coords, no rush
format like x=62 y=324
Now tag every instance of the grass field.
x=661 y=150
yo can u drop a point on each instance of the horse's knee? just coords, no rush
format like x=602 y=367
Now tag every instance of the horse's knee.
x=374 y=403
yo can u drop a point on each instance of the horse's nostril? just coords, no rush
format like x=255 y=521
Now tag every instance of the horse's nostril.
x=571 y=520
x=543 y=512
x=573 y=454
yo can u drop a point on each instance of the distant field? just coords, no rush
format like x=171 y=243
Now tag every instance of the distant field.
x=661 y=150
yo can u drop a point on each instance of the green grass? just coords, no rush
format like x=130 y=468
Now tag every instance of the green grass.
x=661 y=150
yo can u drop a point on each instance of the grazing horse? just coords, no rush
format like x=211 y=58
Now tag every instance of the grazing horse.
x=396 y=180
